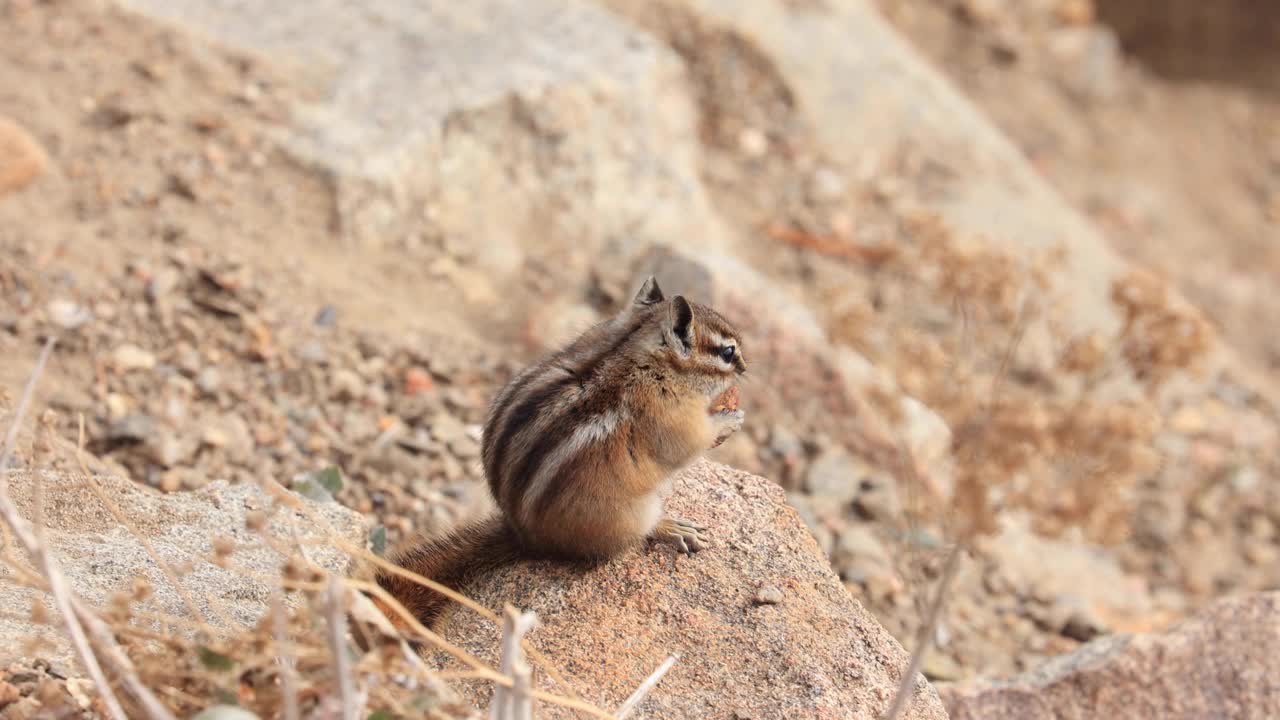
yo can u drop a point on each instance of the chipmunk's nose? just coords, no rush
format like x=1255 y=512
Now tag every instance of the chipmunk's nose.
x=740 y=365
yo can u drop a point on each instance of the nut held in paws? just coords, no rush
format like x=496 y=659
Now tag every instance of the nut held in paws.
x=728 y=400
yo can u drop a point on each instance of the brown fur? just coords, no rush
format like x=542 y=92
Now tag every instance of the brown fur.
x=451 y=560
x=577 y=448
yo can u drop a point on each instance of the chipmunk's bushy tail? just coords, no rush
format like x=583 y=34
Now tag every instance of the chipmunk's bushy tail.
x=453 y=560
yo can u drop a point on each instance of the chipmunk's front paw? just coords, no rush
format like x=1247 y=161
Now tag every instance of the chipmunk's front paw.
x=684 y=535
x=726 y=423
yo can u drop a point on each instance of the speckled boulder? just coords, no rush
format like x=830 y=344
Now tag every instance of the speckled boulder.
x=761 y=624
x=100 y=556
x=1222 y=663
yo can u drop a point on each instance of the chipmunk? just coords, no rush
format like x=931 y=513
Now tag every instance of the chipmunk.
x=579 y=448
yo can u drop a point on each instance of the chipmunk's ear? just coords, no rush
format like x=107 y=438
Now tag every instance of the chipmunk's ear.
x=678 y=329
x=650 y=293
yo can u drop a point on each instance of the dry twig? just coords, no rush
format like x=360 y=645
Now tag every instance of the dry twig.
x=648 y=685
x=515 y=703
x=830 y=245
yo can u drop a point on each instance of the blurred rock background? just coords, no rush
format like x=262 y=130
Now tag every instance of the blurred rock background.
x=1003 y=266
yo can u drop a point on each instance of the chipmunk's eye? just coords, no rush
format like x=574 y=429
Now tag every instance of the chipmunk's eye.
x=727 y=353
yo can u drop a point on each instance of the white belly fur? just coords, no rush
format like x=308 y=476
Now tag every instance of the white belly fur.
x=648 y=513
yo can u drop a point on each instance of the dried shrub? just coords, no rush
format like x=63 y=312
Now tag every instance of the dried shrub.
x=1046 y=431
x=1159 y=338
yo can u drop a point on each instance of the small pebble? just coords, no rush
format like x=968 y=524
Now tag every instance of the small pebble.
x=940 y=666
x=326 y=317
x=417 y=380
x=171 y=481
x=22 y=158
x=447 y=429
x=768 y=595
x=8 y=693
x=162 y=284
x=129 y=357
x=451 y=468
x=117 y=406
x=68 y=315
x=168 y=450
x=465 y=448
x=131 y=428
x=827 y=184
x=209 y=380
x=753 y=143
x=214 y=437
x=1261 y=553
x=313 y=352
x=784 y=443
x=347 y=385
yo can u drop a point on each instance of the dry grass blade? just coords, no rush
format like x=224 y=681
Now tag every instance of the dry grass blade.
x=284 y=655
x=11 y=436
x=81 y=623
x=29 y=537
x=645 y=688
x=337 y=619
x=280 y=493
x=925 y=636
x=120 y=517
x=102 y=636
x=482 y=670
x=284 y=496
x=574 y=700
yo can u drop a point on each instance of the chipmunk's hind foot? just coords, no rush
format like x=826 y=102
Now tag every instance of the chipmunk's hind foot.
x=685 y=536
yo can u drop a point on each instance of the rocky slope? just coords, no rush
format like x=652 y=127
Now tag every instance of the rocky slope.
x=1215 y=664
x=254 y=274
x=103 y=556
x=761 y=625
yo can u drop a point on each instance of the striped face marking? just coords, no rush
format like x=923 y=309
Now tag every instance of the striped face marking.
x=724 y=349
x=720 y=349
